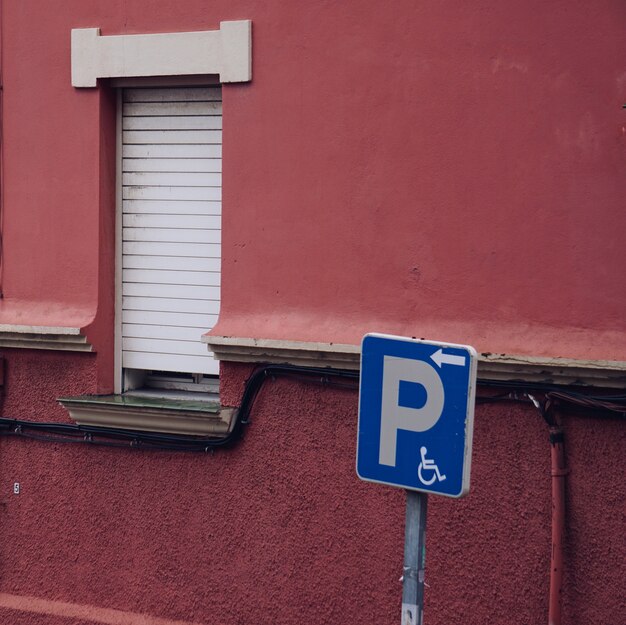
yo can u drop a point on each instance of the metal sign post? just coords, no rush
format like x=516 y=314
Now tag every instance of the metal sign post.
x=414 y=559
x=416 y=415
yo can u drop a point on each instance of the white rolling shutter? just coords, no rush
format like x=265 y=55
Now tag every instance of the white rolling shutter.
x=171 y=227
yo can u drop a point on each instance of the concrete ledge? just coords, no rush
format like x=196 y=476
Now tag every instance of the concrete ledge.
x=491 y=367
x=197 y=418
x=226 y=52
x=332 y=355
x=562 y=371
x=43 y=337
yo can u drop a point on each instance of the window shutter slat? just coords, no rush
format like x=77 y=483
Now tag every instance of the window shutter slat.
x=171 y=227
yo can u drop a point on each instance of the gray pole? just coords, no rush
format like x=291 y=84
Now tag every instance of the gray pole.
x=414 y=559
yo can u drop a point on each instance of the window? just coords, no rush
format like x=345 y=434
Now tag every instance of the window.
x=170 y=236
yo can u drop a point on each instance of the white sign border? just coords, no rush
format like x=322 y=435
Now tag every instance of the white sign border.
x=469 y=418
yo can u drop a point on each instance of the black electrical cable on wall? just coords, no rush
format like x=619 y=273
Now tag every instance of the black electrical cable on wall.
x=592 y=405
x=116 y=437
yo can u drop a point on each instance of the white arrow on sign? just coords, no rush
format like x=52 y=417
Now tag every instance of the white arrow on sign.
x=439 y=358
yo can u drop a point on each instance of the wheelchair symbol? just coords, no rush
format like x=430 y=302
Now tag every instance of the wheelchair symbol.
x=428 y=464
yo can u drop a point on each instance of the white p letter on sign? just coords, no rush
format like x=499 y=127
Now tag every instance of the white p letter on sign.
x=395 y=417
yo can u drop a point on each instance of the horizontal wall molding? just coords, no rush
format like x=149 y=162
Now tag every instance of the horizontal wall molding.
x=491 y=367
x=332 y=355
x=226 y=52
x=149 y=415
x=562 y=371
x=44 y=337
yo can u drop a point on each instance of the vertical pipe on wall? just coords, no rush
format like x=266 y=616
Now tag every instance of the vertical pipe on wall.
x=559 y=471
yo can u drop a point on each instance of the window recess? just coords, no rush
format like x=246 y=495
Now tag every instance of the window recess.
x=171 y=148
x=168 y=266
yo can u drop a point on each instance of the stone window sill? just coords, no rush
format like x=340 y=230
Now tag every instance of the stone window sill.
x=150 y=414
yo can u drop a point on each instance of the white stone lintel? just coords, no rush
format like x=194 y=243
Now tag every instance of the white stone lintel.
x=226 y=52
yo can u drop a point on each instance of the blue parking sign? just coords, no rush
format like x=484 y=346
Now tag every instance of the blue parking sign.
x=416 y=414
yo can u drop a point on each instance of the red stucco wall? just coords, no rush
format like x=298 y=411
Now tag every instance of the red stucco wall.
x=449 y=171
x=452 y=171
x=279 y=530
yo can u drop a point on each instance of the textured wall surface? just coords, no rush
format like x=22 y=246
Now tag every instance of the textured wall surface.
x=443 y=170
x=279 y=530
x=449 y=171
